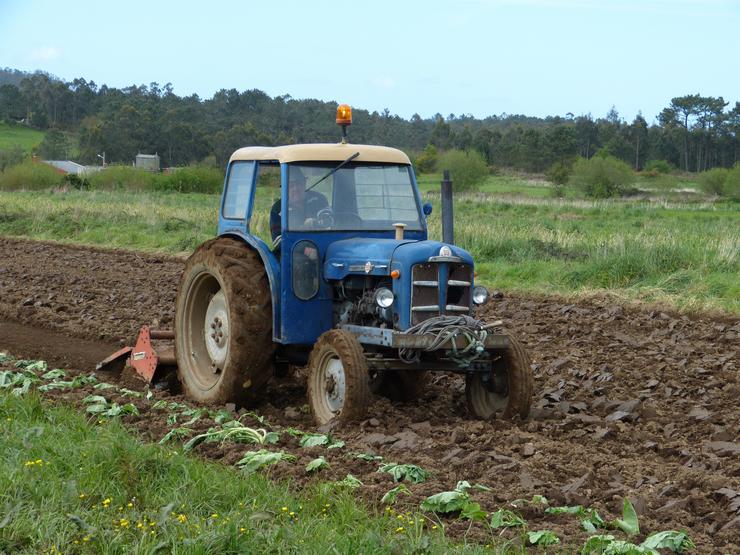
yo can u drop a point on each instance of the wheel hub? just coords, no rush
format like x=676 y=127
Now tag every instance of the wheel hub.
x=216 y=330
x=334 y=384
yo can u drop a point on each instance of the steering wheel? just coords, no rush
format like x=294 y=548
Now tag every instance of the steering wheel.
x=325 y=217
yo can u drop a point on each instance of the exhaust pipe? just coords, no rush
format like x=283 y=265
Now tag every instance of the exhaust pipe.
x=448 y=232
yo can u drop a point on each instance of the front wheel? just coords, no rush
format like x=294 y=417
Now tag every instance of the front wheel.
x=338 y=379
x=506 y=390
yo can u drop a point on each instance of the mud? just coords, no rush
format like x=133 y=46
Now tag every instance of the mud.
x=628 y=402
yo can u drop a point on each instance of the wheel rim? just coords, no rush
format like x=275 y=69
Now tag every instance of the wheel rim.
x=207 y=347
x=490 y=394
x=331 y=383
x=216 y=329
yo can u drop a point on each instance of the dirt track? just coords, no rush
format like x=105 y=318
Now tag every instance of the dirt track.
x=628 y=403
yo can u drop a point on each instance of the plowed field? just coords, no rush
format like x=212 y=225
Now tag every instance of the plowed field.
x=628 y=402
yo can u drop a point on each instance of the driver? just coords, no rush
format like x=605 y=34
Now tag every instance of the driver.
x=303 y=205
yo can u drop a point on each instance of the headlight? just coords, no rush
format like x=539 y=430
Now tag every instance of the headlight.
x=384 y=297
x=480 y=294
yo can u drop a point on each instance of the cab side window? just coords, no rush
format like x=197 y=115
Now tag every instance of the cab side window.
x=238 y=190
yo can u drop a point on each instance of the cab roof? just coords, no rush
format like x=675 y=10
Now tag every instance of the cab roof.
x=321 y=152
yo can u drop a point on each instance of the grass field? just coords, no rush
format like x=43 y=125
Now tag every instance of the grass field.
x=71 y=483
x=683 y=254
x=19 y=135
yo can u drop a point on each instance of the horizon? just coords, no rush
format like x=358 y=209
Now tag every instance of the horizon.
x=562 y=56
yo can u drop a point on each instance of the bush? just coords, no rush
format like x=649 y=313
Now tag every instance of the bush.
x=654 y=167
x=559 y=173
x=125 y=178
x=467 y=169
x=30 y=176
x=426 y=162
x=11 y=156
x=194 y=179
x=732 y=184
x=713 y=181
x=601 y=176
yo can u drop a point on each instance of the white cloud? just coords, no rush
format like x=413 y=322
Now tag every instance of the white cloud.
x=44 y=54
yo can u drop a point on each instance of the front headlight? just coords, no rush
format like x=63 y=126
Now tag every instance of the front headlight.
x=480 y=294
x=384 y=297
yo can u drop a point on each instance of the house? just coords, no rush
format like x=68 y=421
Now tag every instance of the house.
x=68 y=166
x=149 y=162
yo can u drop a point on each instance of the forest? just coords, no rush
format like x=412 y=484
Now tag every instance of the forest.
x=692 y=133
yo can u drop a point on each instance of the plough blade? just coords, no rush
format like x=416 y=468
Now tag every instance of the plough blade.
x=143 y=358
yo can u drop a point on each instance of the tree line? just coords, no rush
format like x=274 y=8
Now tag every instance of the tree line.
x=693 y=133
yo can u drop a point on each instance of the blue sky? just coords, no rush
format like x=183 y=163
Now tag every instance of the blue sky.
x=479 y=57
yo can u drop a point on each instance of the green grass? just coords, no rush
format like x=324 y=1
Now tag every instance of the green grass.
x=71 y=484
x=11 y=135
x=685 y=255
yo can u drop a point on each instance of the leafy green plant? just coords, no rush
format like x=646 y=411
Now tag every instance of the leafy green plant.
x=176 y=434
x=542 y=538
x=77 y=381
x=348 y=481
x=628 y=523
x=233 y=431
x=451 y=501
x=368 y=457
x=390 y=497
x=19 y=383
x=256 y=460
x=473 y=511
x=713 y=181
x=314 y=440
x=319 y=463
x=590 y=519
x=503 y=518
x=678 y=542
x=400 y=472
x=100 y=406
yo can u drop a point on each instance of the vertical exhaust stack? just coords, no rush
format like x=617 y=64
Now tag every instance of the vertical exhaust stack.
x=448 y=231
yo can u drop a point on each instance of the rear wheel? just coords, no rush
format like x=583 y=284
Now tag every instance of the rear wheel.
x=338 y=379
x=506 y=390
x=223 y=324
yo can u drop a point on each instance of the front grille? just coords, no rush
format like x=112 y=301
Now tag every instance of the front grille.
x=427 y=278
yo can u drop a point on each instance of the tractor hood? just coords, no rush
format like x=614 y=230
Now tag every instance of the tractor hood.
x=379 y=256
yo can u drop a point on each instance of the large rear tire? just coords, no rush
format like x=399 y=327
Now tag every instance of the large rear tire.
x=338 y=378
x=223 y=324
x=504 y=392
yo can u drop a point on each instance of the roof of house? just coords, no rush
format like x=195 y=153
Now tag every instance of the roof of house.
x=319 y=152
x=66 y=166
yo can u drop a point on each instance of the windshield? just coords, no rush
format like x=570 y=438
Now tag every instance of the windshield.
x=356 y=197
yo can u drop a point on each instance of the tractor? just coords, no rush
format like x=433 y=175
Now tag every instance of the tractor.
x=350 y=287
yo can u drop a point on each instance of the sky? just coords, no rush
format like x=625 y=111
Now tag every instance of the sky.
x=477 y=57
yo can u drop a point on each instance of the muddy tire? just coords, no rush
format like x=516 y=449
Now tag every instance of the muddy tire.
x=403 y=385
x=223 y=324
x=506 y=391
x=338 y=379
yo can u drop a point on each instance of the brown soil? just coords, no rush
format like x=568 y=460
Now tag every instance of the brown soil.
x=628 y=402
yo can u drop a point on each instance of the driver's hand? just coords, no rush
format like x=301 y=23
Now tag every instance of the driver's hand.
x=311 y=222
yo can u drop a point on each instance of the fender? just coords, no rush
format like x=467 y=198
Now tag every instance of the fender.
x=272 y=268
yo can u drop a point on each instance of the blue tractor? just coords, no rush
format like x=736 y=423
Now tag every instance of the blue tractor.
x=351 y=286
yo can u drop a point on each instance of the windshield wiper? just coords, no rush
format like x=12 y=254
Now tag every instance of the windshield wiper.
x=332 y=172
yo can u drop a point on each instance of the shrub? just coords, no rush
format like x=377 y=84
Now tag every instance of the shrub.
x=732 y=184
x=467 y=169
x=426 y=162
x=559 y=173
x=11 y=156
x=194 y=179
x=122 y=178
x=654 y=167
x=29 y=176
x=601 y=176
x=713 y=181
